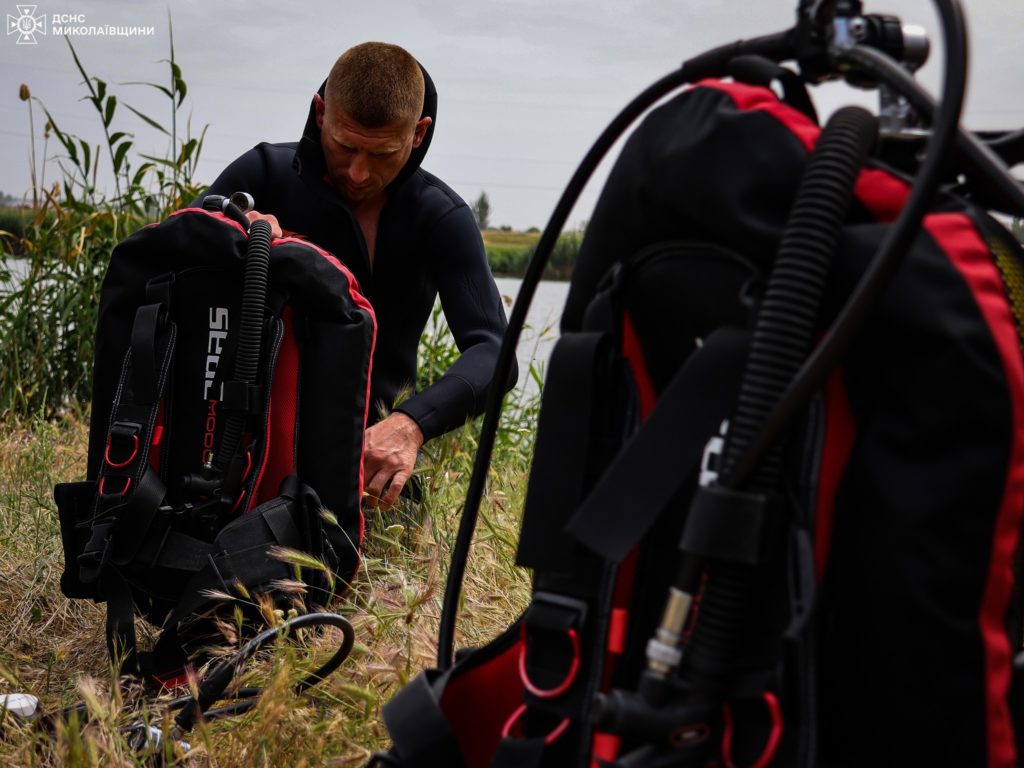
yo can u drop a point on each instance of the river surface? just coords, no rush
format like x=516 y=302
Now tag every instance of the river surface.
x=541 y=331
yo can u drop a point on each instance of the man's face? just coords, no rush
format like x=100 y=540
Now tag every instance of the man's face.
x=362 y=161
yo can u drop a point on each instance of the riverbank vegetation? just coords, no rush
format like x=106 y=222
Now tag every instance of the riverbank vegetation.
x=509 y=252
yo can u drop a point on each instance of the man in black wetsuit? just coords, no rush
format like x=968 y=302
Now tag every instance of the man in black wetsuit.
x=353 y=186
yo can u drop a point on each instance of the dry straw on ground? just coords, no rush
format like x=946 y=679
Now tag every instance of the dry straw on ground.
x=54 y=648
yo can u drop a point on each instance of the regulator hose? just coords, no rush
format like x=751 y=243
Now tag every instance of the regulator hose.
x=783 y=335
x=981 y=157
x=212 y=688
x=897 y=238
x=250 y=338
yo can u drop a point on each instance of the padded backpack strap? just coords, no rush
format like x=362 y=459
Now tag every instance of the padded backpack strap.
x=579 y=364
x=668 y=446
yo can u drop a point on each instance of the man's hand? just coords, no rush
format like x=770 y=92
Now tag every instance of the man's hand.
x=275 y=227
x=389 y=455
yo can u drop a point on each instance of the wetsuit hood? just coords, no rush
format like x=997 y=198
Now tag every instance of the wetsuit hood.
x=309 y=157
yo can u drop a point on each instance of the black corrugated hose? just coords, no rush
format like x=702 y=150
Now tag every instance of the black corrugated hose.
x=250 y=335
x=783 y=335
x=728 y=596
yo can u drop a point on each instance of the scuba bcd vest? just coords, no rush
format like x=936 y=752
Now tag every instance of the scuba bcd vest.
x=230 y=398
x=770 y=521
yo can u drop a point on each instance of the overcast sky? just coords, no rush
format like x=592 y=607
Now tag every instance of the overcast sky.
x=525 y=86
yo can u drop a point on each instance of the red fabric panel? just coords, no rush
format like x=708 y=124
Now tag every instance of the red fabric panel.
x=606 y=747
x=363 y=303
x=634 y=355
x=840 y=434
x=967 y=250
x=156 y=444
x=215 y=214
x=479 y=702
x=879 y=191
x=279 y=446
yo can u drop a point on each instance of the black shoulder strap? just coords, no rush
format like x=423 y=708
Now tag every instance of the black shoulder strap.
x=418 y=727
x=654 y=464
x=579 y=363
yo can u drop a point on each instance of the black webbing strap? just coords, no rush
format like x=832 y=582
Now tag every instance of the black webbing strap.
x=175 y=550
x=120 y=628
x=240 y=552
x=119 y=529
x=149 y=320
x=578 y=364
x=642 y=480
x=418 y=727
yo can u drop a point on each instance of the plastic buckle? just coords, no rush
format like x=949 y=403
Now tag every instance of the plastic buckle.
x=122 y=430
x=92 y=561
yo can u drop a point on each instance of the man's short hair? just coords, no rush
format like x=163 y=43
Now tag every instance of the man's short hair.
x=376 y=84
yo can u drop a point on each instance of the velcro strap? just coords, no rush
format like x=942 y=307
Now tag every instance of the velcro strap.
x=730 y=525
x=240 y=552
x=577 y=368
x=240 y=396
x=624 y=503
x=175 y=550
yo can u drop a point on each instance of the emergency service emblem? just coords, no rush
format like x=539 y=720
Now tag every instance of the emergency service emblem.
x=27 y=25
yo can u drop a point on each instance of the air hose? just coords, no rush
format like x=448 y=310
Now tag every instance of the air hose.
x=784 y=332
x=212 y=689
x=250 y=340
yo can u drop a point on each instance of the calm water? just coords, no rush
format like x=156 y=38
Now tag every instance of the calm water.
x=541 y=332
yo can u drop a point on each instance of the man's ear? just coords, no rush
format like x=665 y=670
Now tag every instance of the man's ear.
x=421 y=130
x=321 y=108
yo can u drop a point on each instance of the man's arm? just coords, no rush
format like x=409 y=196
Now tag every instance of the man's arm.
x=475 y=313
x=476 y=316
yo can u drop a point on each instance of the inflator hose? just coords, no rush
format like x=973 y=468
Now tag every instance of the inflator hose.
x=250 y=337
x=213 y=687
x=783 y=335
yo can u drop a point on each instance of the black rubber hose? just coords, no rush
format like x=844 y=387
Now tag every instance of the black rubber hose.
x=710 y=64
x=981 y=158
x=897 y=239
x=783 y=335
x=788 y=316
x=250 y=334
x=213 y=687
